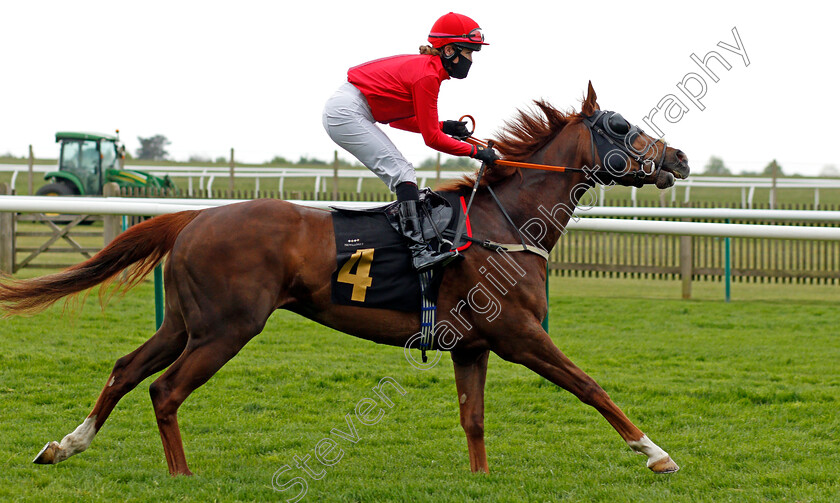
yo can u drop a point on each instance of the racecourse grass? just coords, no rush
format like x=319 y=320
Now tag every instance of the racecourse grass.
x=743 y=395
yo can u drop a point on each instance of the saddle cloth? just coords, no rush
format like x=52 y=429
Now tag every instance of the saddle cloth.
x=373 y=263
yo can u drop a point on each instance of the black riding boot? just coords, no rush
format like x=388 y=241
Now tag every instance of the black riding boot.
x=421 y=255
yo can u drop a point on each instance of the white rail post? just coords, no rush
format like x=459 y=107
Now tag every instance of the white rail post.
x=232 y=174
x=7 y=235
x=31 y=169
x=111 y=224
x=335 y=175
x=13 y=183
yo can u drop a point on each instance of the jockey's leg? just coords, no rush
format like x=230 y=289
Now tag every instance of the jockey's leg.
x=421 y=254
x=349 y=122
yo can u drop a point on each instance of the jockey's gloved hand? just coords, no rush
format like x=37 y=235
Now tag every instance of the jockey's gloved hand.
x=456 y=129
x=485 y=154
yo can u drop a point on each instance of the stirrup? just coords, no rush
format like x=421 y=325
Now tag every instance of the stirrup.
x=440 y=259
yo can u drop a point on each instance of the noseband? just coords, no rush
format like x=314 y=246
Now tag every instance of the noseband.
x=612 y=136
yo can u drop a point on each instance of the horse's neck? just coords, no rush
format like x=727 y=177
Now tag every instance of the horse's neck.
x=548 y=196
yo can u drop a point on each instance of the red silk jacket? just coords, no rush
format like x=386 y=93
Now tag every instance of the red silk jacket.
x=402 y=91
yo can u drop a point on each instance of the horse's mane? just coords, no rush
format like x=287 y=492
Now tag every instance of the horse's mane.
x=529 y=131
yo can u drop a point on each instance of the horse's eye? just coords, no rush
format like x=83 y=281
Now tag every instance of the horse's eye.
x=618 y=125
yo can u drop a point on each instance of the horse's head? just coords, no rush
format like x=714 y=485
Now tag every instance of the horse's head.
x=627 y=155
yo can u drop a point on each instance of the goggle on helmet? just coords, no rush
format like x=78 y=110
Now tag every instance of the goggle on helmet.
x=456 y=29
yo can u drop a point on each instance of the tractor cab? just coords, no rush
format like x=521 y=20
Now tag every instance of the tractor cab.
x=85 y=158
x=88 y=161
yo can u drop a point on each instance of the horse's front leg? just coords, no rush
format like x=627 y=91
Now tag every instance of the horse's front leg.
x=470 y=375
x=535 y=350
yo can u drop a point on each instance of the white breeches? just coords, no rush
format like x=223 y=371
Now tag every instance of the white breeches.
x=350 y=123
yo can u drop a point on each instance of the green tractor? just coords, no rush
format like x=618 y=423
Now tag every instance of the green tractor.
x=88 y=161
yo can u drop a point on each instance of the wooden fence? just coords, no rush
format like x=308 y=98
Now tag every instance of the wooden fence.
x=602 y=254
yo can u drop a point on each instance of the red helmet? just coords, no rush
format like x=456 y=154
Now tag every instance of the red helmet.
x=456 y=29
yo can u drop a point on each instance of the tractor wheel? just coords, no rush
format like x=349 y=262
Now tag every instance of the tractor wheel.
x=57 y=189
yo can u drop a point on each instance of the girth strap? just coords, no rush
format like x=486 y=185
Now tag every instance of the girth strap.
x=508 y=247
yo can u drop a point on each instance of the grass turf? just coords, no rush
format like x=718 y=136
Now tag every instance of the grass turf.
x=743 y=395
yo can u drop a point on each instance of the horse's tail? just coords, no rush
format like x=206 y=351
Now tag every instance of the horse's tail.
x=141 y=248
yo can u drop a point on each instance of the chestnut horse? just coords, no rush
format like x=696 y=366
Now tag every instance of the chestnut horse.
x=229 y=268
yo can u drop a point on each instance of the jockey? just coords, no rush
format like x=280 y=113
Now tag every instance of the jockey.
x=402 y=91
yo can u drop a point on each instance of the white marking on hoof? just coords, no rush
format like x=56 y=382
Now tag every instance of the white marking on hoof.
x=73 y=443
x=655 y=455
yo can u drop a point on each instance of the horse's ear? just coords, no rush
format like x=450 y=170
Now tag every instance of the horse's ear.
x=590 y=104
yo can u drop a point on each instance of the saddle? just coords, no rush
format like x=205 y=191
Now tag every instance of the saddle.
x=373 y=263
x=437 y=216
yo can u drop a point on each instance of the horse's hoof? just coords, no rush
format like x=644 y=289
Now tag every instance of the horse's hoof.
x=664 y=465
x=47 y=454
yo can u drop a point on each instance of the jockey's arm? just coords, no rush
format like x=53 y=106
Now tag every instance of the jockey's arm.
x=426 y=122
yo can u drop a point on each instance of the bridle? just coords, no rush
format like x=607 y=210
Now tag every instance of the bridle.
x=612 y=136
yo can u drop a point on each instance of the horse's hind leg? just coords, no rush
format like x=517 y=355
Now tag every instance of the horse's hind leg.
x=153 y=356
x=203 y=357
x=535 y=350
x=470 y=376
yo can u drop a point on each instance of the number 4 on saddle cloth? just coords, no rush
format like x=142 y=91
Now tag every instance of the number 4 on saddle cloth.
x=373 y=262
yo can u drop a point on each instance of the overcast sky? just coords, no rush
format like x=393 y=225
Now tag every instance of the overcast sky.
x=255 y=75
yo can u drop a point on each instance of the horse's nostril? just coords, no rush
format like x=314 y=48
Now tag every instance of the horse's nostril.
x=681 y=156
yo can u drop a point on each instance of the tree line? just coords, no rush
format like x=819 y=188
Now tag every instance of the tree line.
x=153 y=148
x=716 y=167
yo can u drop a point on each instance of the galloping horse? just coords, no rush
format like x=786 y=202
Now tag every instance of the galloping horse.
x=230 y=267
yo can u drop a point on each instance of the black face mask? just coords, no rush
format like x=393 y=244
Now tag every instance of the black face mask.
x=457 y=70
